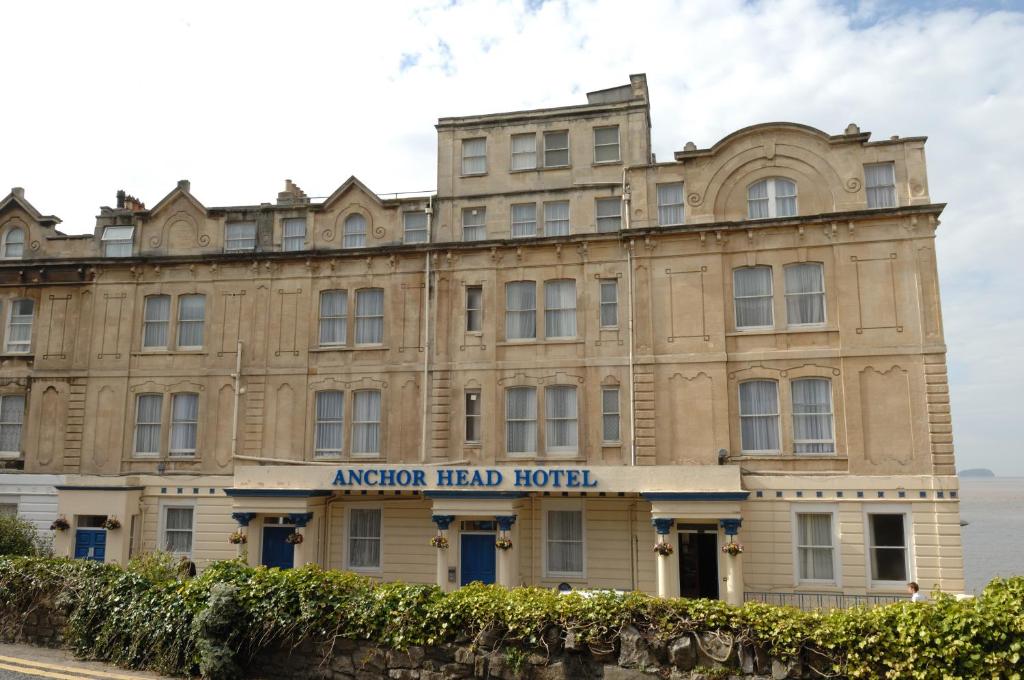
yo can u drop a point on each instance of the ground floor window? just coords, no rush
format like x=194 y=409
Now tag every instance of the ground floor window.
x=364 y=538
x=564 y=536
x=888 y=547
x=178 y=530
x=815 y=556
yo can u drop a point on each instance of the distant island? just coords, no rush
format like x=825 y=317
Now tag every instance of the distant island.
x=977 y=473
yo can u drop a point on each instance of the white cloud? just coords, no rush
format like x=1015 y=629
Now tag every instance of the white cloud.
x=237 y=97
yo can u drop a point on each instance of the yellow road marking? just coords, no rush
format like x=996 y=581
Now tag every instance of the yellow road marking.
x=28 y=670
x=41 y=668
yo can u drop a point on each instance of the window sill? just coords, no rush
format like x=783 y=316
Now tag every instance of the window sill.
x=169 y=352
x=534 y=458
x=786 y=456
x=10 y=455
x=551 y=341
x=348 y=348
x=17 y=355
x=539 y=168
x=368 y=458
x=611 y=445
x=472 y=174
x=472 y=445
x=771 y=330
x=598 y=164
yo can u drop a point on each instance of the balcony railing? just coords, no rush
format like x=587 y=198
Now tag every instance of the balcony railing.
x=821 y=601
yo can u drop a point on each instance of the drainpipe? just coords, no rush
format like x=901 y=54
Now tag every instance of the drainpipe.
x=425 y=394
x=629 y=284
x=237 y=377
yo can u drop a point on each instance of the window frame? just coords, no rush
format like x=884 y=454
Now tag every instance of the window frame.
x=346 y=235
x=612 y=283
x=476 y=396
x=617 y=414
x=786 y=295
x=285 y=237
x=463 y=157
x=380 y=538
x=162 y=534
x=558 y=149
x=21 y=347
x=159 y=424
x=183 y=453
x=228 y=239
x=331 y=454
x=777 y=415
x=598 y=217
x=343 y=318
x=568 y=217
x=535 y=420
x=549 y=506
x=512 y=220
x=16 y=453
x=482 y=226
x=831 y=415
x=532 y=310
x=798 y=509
x=617 y=145
x=479 y=309
x=908 y=545
x=770 y=296
x=178 y=323
x=118 y=242
x=549 y=449
x=353 y=423
x=681 y=205
x=562 y=310
x=513 y=153
x=892 y=187
x=6 y=242
x=772 y=197
x=357 y=317
x=166 y=322
x=425 y=229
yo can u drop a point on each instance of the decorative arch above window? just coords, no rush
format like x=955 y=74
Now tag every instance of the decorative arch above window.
x=14 y=243
x=771 y=197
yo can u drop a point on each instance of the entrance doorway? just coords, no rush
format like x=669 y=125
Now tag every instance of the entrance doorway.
x=90 y=544
x=477 y=553
x=698 y=561
x=277 y=551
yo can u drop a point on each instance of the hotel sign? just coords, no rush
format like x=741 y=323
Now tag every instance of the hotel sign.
x=448 y=478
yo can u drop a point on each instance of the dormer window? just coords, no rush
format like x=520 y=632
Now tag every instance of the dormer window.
x=117 y=241
x=14 y=243
x=240 y=237
x=772 y=197
x=355 y=232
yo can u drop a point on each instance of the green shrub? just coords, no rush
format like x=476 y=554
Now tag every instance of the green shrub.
x=19 y=537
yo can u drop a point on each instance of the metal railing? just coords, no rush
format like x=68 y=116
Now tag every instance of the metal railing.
x=821 y=601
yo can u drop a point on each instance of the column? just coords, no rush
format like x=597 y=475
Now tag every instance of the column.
x=442 y=522
x=733 y=564
x=508 y=563
x=243 y=519
x=662 y=525
x=301 y=550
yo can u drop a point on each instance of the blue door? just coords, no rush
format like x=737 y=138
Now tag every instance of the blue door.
x=278 y=552
x=477 y=558
x=90 y=544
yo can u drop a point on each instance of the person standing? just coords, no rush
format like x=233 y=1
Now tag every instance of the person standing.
x=915 y=592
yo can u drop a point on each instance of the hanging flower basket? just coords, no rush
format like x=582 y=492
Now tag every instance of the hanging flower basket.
x=439 y=542
x=732 y=549
x=503 y=543
x=238 y=537
x=111 y=523
x=664 y=549
x=293 y=538
x=60 y=524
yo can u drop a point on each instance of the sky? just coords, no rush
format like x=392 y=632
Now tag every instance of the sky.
x=238 y=96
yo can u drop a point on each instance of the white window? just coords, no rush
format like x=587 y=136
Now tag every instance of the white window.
x=329 y=426
x=815 y=553
x=14 y=243
x=370 y=316
x=520 y=310
x=294 y=234
x=179 y=527
x=148 y=416
x=191 y=317
x=240 y=236
x=19 y=326
x=773 y=197
x=556 y=218
x=364 y=538
x=609 y=215
x=415 y=226
x=366 y=423
x=524 y=151
x=759 y=416
x=564 y=543
x=609 y=303
x=474 y=309
x=562 y=428
x=474 y=156
x=12 y=415
x=473 y=413
x=606 y=144
x=880 y=182
x=355 y=232
x=524 y=220
x=556 y=149
x=184 y=422
x=610 y=414
x=156 y=319
x=805 y=294
x=474 y=224
x=560 y=308
x=117 y=241
x=521 y=419
x=752 y=297
x=812 y=416
x=888 y=546
x=670 y=203
x=333 y=317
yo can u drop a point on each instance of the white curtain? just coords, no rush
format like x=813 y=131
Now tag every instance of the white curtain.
x=191 y=315
x=19 y=330
x=184 y=419
x=330 y=408
x=670 y=204
x=805 y=293
x=474 y=308
x=815 y=546
x=556 y=218
x=524 y=152
x=12 y=415
x=560 y=418
x=155 y=321
x=812 y=415
x=609 y=215
x=880 y=181
x=524 y=220
x=606 y=144
x=355 y=231
x=752 y=294
x=560 y=309
x=609 y=304
x=364 y=538
x=565 y=541
x=14 y=243
x=240 y=236
x=759 y=415
x=147 y=423
x=333 y=317
x=117 y=241
x=757 y=200
x=474 y=156
x=178 y=530
x=785 y=198
x=474 y=224
x=610 y=414
x=294 y=234
x=415 y=226
x=521 y=310
x=521 y=419
x=370 y=316
x=366 y=422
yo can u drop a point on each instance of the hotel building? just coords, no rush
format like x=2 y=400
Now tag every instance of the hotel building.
x=569 y=349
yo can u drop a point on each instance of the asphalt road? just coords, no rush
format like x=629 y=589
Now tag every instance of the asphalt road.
x=24 y=662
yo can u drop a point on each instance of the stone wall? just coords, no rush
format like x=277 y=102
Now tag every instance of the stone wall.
x=42 y=626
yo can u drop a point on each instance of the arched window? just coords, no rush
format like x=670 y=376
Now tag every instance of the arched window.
x=772 y=197
x=14 y=243
x=355 y=232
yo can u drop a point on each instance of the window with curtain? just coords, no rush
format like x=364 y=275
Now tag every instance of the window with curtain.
x=14 y=243
x=473 y=413
x=294 y=238
x=556 y=218
x=191 y=317
x=880 y=183
x=524 y=220
x=12 y=416
x=812 y=416
x=184 y=422
x=888 y=547
x=355 y=232
x=752 y=297
x=117 y=241
x=178 y=530
x=759 y=416
x=524 y=151
x=609 y=215
x=415 y=223
x=19 y=326
x=370 y=316
x=805 y=293
x=562 y=426
x=772 y=197
x=148 y=416
x=333 y=317
x=560 y=308
x=521 y=310
x=606 y=144
x=609 y=303
x=474 y=224
x=610 y=414
x=556 y=149
x=366 y=422
x=565 y=542
x=670 y=203
x=814 y=549
x=521 y=419
x=156 y=320
x=329 y=426
x=474 y=309
x=364 y=538
x=474 y=156
x=240 y=236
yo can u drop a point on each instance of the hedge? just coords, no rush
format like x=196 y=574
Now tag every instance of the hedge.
x=146 y=617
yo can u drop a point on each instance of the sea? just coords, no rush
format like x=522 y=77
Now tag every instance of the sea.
x=994 y=511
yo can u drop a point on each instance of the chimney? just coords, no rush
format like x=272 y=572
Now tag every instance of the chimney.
x=18 y=191
x=133 y=204
x=184 y=185
x=120 y=199
x=292 y=194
